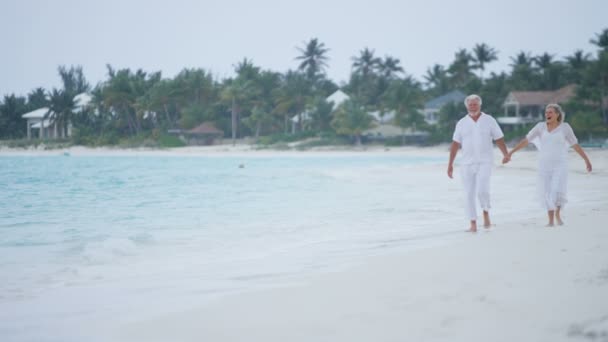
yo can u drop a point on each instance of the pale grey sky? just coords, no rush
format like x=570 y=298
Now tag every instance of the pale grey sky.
x=167 y=36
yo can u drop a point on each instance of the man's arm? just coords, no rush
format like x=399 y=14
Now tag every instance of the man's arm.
x=503 y=148
x=453 y=150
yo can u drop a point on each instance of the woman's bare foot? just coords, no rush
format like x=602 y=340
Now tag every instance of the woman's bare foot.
x=558 y=218
x=551 y=216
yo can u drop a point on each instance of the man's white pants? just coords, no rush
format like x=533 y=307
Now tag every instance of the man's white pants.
x=476 y=181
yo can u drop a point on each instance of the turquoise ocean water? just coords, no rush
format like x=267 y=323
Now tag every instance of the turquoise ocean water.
x=86 y=239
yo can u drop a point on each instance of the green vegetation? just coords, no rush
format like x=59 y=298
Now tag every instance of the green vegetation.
x=138 y=108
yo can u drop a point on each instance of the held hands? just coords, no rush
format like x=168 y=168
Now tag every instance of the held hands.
x=506 y=158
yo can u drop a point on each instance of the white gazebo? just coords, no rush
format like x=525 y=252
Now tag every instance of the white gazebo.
x=41 y=119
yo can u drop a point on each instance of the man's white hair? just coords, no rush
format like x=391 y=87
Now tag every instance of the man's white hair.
x=471 y=98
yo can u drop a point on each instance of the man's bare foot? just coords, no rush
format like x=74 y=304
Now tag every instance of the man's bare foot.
x=472 y=227
x=550 y=225
x=486 y=220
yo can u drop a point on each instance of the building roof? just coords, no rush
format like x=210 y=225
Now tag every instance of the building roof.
x=205 y=128
x=337 y=98
x=37 y=114
x=82 y=100
x=438 y=102
x=541 y=98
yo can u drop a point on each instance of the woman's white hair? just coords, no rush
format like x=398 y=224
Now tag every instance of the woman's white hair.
x=471 y=98
x=558 y=109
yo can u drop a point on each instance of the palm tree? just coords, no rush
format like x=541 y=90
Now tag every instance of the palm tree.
x=544 y=61
x=37 y=99
x=601 y=40
x=577 y=63
x=522 y=73
x=161 y=98
x=73 y=80
x=484 y=54
x=366 y=63
x=522 y=59
x=12 y=125
x=437 y=78
x=237 y=93
x=313 y=57
x=266 y=83
x=461 y=68
x=551 y=71
x=389 y=70
x=351 y=119
x=389 y=67
x=578 y=60
x=194 y=86
x=247 y=70
x=363 y=79
x=62 y=105
x=121 y=91
x=405 y=98
x=321 y=114
x=293 y=96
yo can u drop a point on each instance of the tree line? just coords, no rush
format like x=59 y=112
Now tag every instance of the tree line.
x=136 y=104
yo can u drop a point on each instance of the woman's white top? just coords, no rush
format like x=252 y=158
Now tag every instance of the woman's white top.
x=553 y=146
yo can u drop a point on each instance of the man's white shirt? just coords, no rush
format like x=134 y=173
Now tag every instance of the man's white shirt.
x=476 y=138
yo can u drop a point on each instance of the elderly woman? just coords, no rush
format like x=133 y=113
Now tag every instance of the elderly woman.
x=475 y=134
x=552 y=138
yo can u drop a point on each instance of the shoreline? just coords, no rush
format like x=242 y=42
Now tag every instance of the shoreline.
x=228 y=150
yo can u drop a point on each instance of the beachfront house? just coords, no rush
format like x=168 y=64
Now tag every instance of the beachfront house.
x=337 y=98
x=525 y=107
x=433 y=107
x=203 y=134
x=41 y=122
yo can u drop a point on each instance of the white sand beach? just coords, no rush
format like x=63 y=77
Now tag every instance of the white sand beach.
x=520 y=281
x=517 y=283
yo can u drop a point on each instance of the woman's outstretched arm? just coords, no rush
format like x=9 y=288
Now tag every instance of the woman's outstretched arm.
x=583 y=155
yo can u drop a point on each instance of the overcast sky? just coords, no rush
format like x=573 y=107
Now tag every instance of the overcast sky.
x=167 y=36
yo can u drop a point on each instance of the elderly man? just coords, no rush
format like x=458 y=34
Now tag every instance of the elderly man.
x=474 y=133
